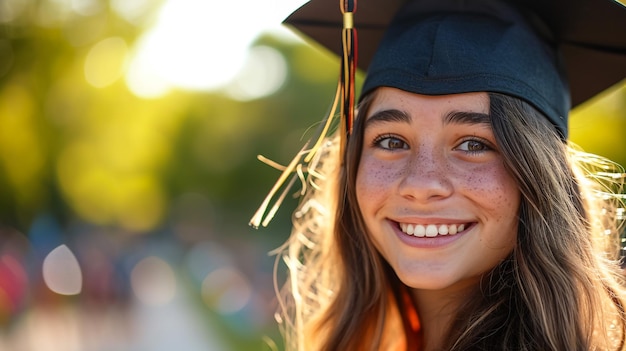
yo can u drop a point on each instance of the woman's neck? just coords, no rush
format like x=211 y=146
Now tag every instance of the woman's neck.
x=436 y=310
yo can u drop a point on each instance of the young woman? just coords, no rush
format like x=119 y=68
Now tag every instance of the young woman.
x=455 y=215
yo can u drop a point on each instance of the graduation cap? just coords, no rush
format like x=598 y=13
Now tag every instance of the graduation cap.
x=554 y=54
x=588 y=36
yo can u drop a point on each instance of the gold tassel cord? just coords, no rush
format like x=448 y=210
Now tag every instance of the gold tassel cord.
x=271 y=163
x=348 y=65
x=326 y=128
x=259 y=214
x=304 y=156
x=301 y=163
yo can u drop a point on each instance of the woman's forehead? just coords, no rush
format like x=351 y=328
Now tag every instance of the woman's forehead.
x=387 y=98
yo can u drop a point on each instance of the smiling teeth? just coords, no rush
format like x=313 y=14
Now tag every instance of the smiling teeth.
x=431 y=230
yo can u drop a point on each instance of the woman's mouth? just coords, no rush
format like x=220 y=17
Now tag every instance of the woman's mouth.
x=432 y=230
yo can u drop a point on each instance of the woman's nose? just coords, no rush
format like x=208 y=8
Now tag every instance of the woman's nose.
x=426 y=176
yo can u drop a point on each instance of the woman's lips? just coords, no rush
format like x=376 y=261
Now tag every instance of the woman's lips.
x=432 y=230
x=431 y=235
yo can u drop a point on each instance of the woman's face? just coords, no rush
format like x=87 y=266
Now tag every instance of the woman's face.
x=432 y=188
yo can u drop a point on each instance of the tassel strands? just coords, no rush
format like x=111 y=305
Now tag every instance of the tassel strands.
x=304 y=161
x=294 y=170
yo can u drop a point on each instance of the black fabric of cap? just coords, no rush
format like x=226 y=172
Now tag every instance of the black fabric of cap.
x=473 y=46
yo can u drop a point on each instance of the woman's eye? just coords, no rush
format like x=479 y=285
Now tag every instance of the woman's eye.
x=473 y=146
x=391 y=143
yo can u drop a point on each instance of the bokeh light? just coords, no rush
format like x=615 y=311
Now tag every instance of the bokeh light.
x=86 y=7
x=206 y=257
x=61 y=272
x=153 y=281
x=132 y=11
x=226 y=290
x=13 y=286
x=105 y=62
x=263 y=73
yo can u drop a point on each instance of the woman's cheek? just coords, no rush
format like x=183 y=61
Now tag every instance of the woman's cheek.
x=374 y=178
x=493 y=188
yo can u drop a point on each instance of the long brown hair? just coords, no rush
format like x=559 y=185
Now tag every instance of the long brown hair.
x=559 y=289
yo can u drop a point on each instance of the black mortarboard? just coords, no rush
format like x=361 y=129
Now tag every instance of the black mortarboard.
x=483 y=46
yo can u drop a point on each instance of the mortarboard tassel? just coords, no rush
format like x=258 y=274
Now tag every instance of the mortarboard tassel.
x=348 y=64
x=344 y=96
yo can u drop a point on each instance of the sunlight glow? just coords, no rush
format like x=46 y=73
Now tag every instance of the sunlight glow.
x=200 y=45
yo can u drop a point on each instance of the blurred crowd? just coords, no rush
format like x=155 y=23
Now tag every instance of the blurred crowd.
x=87 y=288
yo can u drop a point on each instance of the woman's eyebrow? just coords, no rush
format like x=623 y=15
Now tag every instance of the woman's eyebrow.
x=464 y=117
x=388 y=116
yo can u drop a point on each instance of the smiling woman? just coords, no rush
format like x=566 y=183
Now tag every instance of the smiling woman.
x=451 y=213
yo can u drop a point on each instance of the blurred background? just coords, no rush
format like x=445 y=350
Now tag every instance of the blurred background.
x=129 y=131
